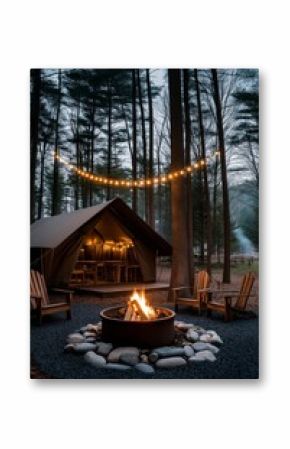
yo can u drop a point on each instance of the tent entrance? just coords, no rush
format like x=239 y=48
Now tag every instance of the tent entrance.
x=107 y=255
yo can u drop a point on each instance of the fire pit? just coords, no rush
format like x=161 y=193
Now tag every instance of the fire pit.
x=138 y=323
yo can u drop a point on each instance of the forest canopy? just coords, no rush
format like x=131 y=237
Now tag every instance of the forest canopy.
x=116 y=123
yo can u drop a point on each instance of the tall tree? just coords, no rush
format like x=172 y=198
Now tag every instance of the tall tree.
x=225 y=192
x=216 y=239
x=207 y=207
x=55 y=203
x=41 y=185
x=180 y=274
x=144 y=142
x=34 y=123
x=151 y=218
x=187 y=123
x=134 y=140
x=109 y=153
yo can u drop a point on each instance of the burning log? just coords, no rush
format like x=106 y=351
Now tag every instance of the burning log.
x=129 y=312
x=138 y=309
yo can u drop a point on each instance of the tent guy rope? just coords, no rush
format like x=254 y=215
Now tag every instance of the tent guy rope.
x=199 y=164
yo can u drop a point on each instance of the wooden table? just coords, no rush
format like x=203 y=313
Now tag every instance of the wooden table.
x=89 y=267
x=86 y=262
x=78 y=276
x=116 y=265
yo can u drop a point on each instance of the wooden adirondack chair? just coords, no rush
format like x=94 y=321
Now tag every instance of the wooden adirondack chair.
x=40 y=301
x=225 y=306
x=197 y=298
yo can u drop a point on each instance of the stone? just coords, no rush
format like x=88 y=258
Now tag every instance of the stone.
x=92 y=327
x=145 y=351
x=183 y=326
x=104 y=348
x=209 y=338
x=192 y=335
x=91 y=340
x=145 y=368
x=129 y=359
x=153 y=357
x=215 y=337
x=95 y=360
x=201 y=346
x=169 y=351
x=170 y=362
x=114 y=355
x=69 y=347
x=188 y=351
x=84 y=347
x=199 y=330
x=144 y=358
x=117 y=366
x=89 y=334
x=202 y=356
x=75 y=338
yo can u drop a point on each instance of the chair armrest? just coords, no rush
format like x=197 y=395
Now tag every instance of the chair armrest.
x=35 y=296
x=180 y=288
x=67 y=293
x=61 y=290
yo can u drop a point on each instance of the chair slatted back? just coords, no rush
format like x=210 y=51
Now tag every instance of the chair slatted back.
x=38 y=288
x=202 y=281
x=245 y=291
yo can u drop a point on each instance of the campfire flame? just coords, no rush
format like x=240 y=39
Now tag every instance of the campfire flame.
x=139 y=309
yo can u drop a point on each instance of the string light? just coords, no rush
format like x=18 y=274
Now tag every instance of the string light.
x=199 y=164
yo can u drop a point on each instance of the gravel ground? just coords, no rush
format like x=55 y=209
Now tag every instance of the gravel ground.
x=238 y=357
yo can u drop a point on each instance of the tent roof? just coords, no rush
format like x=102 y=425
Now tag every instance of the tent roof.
x=50 y=232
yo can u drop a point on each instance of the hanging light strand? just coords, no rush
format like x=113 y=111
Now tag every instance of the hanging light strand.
x=164 y=178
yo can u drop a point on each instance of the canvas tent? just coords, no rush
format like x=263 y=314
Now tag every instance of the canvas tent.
x=56 y=241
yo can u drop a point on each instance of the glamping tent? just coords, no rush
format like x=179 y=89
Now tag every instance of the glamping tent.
x=99 y=236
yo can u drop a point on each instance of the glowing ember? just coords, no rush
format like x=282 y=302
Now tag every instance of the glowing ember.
x=139 y=309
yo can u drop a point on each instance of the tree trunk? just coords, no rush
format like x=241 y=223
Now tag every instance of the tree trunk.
x=83 y=182
x=215 y=224
x=226 y=205
x=127 y=130
x=159 y=187
x=253 y=164
x=205 y=178
x=151 y=218
x=34 y=123
x=77 y=183
x=134 y=141
x=143 y=128
x=92 y=152
x=201 y=213
x=180 y=275
x=41 y=186
x=159 y=190
x=55 y=189
x=109 y=156
x=188 y=162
